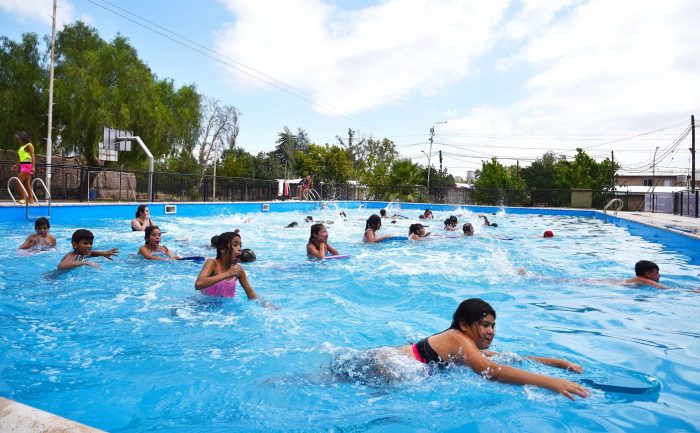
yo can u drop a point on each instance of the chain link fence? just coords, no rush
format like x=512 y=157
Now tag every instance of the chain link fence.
x=79 y=183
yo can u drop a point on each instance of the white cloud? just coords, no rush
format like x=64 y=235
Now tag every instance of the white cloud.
x=600 y=67
x=38 y=10
x=363 y=59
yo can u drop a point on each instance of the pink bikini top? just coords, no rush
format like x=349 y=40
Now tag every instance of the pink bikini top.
x=222 y=289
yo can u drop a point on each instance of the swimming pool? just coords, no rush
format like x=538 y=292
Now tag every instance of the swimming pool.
x=132 y=348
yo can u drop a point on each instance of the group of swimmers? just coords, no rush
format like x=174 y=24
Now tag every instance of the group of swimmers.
x=465 y=342
x=218 y=276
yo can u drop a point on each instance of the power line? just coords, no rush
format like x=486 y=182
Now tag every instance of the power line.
x=242 y=68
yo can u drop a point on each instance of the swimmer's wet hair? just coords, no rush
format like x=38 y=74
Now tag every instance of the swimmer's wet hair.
x=467 y=228
x=413 y=229
x=140 y=210
x=382 y=212
x=247 y=255
x=43 y=221
x=81 y=234
x=148 y=231
x=292 y=224
x=471 y=311
x=315 y=229
x=308 y=219
x=373 y=219
x=223 y=241
x=644 y=266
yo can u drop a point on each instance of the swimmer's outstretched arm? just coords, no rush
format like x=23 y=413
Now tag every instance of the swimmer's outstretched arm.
x=552 y=362
x=106 y=254
x=504 y=373
x=372 y=238
x=70 y=261
x=31 y=240
x=146 y=253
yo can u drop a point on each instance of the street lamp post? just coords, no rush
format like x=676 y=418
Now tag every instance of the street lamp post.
x=430 y=152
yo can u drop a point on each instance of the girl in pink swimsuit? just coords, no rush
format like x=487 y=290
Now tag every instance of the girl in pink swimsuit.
x=218 y=276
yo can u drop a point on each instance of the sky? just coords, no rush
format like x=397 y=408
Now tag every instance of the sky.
x=492 y=78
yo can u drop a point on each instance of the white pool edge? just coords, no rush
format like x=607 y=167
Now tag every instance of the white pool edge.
x=19 y=418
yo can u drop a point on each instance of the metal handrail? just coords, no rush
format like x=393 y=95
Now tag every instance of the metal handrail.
x=26 y=195
x=314 y=195
x=610 y=203
x=46 y=190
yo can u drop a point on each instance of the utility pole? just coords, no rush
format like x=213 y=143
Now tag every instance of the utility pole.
x=692 y=153
x=440 y=153
x=49 y=139
x=216 y=157
x=653 y=170
x=430 y=151
x=612 y=180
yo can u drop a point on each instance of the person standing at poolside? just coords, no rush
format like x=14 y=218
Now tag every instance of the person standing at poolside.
x=152 y=249
x=374 y=223
x=25 y=166
x=308 y=186
x=142 y=220
x=465 y=342
x=82 y=250
x=318 y=245
x=647 y=273
x=41 y=239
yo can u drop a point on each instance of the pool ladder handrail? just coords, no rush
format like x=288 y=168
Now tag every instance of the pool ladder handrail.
x=26 y=195
x=314 y=195
x=611 y=202
x=48 y=195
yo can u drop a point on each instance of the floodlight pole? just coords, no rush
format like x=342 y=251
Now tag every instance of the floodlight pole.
x=150 y=162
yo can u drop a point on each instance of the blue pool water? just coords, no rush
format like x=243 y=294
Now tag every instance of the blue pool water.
x=132 y=348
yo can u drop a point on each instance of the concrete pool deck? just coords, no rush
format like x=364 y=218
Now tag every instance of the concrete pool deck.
x=687 y=226
x=20 y=418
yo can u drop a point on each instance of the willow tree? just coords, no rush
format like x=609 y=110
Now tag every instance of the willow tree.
x=23 y=97
x=101 y=84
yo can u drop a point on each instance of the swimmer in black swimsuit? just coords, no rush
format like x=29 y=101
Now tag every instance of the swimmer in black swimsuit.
x=465 y=342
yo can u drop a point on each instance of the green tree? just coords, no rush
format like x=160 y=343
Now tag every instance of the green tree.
x=496 y=183
x=331 y=164
x=23 y=100
x=585 y=173
x=236 y=162
x=375 y=160
x=100 y=83
x=541 y=179
x=287 y=146
x=267 y=166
